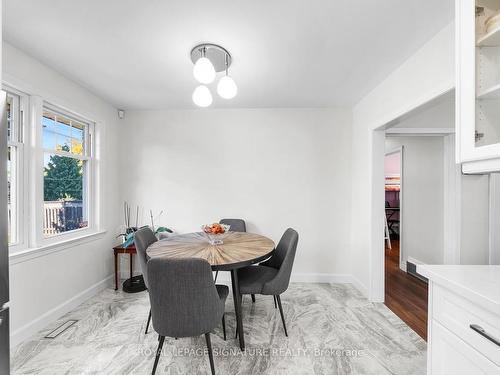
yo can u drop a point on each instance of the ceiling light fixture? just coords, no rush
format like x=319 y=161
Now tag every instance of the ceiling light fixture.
x=226 y=88
x=209 y=59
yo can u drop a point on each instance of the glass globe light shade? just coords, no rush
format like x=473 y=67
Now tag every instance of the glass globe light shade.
x=204 y=71
x=202 y=96
x=226 y=87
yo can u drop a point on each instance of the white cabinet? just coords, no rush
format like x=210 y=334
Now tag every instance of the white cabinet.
x=478 y=85
x=464 y=320
x=453 y=356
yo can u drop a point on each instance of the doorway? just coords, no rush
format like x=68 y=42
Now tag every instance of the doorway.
x=414 y=211
x=424 y=137
x=405 y=293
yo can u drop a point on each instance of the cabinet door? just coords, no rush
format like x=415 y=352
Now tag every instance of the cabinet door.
x=478 y=81
x=451 y=355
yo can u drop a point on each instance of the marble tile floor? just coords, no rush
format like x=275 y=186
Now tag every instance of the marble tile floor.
x=332 y=330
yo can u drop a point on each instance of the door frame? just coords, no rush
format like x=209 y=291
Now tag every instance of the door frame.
x=376 y=287
x=376 y=252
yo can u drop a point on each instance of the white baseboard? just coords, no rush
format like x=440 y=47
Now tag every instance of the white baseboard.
x=361 y=287
x=34 y=326
x=321 y=278
x=225 y=278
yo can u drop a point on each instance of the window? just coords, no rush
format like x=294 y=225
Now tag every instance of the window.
x=14 y=168
x=67 y=160
x=52 y=174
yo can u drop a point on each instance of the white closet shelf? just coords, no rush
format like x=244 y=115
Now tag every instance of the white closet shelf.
x=490 y=93
x=492 y=39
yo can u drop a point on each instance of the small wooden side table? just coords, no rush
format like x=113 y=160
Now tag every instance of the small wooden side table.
x=123 y=250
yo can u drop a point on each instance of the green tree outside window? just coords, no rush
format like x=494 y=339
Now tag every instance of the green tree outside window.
x=63 y=177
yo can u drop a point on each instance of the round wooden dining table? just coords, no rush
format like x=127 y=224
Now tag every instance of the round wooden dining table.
x=237 y=250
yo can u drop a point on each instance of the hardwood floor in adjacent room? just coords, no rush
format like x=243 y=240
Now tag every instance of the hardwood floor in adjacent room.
x=405 y=294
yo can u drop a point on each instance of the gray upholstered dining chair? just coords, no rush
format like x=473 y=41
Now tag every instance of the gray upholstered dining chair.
x=143 y=238
x=273 y=276
x=185 y=302
x=236 y=225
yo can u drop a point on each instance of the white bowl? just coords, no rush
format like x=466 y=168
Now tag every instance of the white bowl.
x=224 y=226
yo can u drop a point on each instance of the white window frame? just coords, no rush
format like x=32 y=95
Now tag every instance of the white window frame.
x=19 y=190
x=89 y=189
x=31 y=242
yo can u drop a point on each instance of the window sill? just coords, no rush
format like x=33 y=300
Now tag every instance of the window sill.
x=31 y=253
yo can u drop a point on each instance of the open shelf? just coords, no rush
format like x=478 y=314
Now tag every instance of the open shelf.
x=492 y=39
x=490 y=93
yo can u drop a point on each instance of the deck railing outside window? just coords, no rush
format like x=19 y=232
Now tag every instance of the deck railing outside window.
x=62 y=216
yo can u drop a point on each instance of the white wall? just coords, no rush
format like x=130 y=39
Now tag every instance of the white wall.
x=275 y=168
x=474 y=238
x=424 y=76
x=44 y=287
x=422 y=197
x=440 y=114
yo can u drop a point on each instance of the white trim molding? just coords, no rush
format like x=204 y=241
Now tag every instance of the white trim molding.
x=324 y=278
x=419 y=132
x=31 y=253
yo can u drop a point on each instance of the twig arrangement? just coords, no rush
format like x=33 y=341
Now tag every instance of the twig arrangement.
x=128 y=236
x=128 y=228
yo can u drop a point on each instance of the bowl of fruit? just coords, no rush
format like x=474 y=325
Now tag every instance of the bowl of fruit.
x=213 y=232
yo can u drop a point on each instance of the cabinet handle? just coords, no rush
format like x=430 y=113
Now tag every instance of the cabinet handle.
x=483 y=333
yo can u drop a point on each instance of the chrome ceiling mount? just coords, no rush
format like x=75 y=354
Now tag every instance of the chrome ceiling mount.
x=218 y=56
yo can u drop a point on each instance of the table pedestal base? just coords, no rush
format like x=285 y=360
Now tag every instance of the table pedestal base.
x=237 y=308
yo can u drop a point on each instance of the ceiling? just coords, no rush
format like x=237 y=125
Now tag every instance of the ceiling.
x=286 y=53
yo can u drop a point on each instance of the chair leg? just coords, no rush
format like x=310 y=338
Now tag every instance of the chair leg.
x=158 y=353
x=149 y=319
x=224 y=325
x=210 y=354
x=216 y=274
x=253 y=298
x=281 y=313
x=275 y=306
